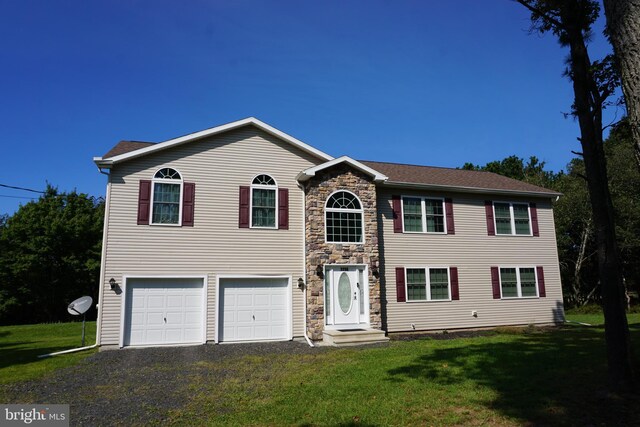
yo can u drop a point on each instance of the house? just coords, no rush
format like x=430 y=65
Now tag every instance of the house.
x=244 y=233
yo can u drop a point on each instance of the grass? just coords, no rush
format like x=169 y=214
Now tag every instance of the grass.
x=597 y=319
x=512 y=376
x=21 y=345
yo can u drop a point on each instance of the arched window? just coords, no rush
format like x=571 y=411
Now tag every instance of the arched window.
x=343 y=218
x=166 y=197
x=263 y=201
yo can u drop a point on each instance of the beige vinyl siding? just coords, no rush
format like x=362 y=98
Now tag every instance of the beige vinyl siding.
x=215 y=245
x=473 y=252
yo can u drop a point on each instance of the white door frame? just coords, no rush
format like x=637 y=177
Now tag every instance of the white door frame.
x=364 y=320
x=219 y=311
x=123 y=306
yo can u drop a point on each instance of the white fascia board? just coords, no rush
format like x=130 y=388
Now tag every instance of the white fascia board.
x=213 y=131
x=306 y=174
x=460 y=189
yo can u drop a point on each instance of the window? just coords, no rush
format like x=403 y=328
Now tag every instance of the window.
x=166 y=197
x=423 y=215
x=428 y=284
x=518 y=282
x=512 y=218
x=343 y=218
x=263 y=202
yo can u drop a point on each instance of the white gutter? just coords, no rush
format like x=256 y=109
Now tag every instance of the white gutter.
x=73 y=350
x=396 y=184
x=304 y=264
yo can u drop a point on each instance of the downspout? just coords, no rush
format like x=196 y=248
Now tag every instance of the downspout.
x=105 y=228
x=304 y=263
x=73 y=350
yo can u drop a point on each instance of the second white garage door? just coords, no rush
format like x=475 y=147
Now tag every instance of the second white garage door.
x=254 y=309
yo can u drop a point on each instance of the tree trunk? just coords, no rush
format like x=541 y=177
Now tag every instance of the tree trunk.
x=623 y=29
x=577 y=272
x=588 y=107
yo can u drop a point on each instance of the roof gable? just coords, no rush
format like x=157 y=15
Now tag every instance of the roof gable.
x=311 y=172
x=121 y=153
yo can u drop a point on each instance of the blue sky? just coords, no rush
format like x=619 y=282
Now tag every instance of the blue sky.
x=421 y=82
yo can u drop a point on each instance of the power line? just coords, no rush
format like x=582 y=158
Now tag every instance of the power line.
x=21 y=188
x=17 y=197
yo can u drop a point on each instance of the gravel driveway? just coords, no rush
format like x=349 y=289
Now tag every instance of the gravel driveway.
x=140 y=386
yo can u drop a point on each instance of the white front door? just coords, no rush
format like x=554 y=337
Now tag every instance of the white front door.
x=345 y=291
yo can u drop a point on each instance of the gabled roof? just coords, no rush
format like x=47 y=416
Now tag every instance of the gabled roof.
x=306 y=174
x=435 y=178
x=385 y=174
x=123 y=147
x=122 y=155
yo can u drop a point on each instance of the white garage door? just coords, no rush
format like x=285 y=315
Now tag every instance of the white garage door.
x=254 y=309
x=164 y=311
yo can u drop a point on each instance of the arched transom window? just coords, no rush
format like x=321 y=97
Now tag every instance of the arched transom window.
x=343 y=218
x=263 y=201
x=167 y=193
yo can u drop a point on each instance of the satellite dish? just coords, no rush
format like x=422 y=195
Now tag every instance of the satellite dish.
x=80 y=306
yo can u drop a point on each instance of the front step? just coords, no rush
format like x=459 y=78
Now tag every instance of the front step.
x=343 y=338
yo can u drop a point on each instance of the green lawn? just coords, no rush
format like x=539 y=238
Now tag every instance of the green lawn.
x=21 y=345
x=548 y=377
x=510 y=377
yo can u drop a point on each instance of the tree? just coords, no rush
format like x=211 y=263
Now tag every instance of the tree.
x=49 y=255
x=593 y=82
x=623 y=29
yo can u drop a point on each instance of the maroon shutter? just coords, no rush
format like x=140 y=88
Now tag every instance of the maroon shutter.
x=243 y=221
x=396 y=204
x=488 y=208
x=542 y=292
x=495 y=282
x=400 y=293
x=455 y=293
x=188 y=198
x=534 y=219
x=283 y=208
x=448 y=208
x=144 y=202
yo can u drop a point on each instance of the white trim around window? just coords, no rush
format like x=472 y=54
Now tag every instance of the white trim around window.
x=518 y=271
x=271 y=187
x=423 y=209
x=428 y=295
x=167 y=181
x=359 y=211
x=511 y=218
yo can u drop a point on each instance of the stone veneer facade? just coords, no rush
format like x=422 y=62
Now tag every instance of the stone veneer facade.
x=319 y=252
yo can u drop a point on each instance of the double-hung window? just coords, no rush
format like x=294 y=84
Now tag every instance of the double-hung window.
x=343 y=218
x=166 y=197
x=512 y=218
x=518 y=282
x=428 y=284
x=263 y=202
x=423 y=215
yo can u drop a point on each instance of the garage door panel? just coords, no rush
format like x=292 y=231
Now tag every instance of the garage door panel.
x=261 y=315
x=277 y=315
x=154 y=318
x=254 y=309
x=244 y=300
x=175 y=301
x=164 y=311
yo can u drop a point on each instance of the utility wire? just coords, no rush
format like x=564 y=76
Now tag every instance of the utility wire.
x=17 y=197
x=21 y=188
